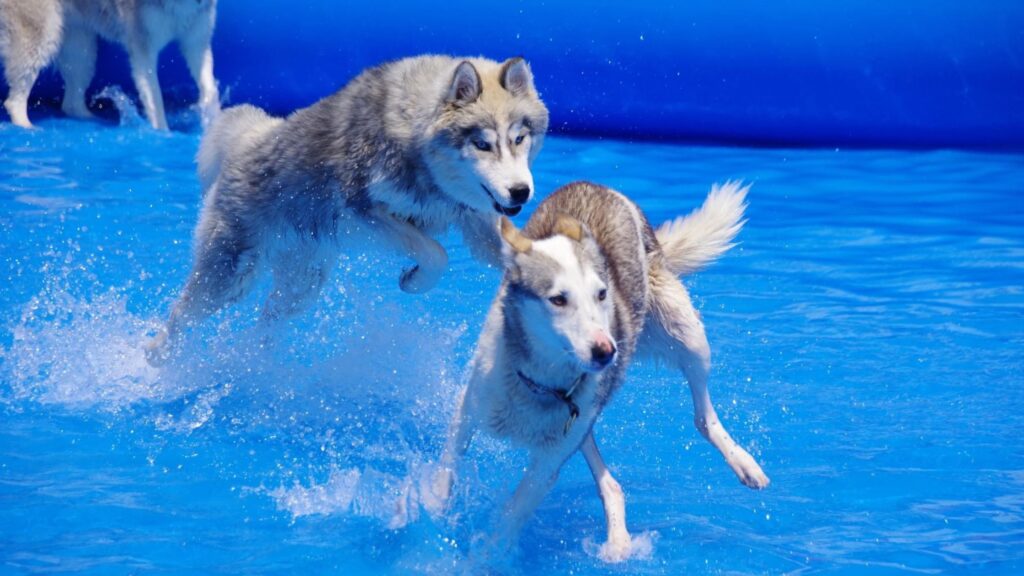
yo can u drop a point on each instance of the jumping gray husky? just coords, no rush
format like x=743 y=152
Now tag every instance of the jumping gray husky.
x=34 y=32
x=588 y=284
x=402 y=153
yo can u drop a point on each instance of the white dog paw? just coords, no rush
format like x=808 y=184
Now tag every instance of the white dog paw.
x=435 y=490
x=417 y=279
x=622 y=547
x=748 y=471
x=616 y=550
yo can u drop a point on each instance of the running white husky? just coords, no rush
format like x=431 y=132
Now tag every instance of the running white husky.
x=587 y=285
x=34 y=32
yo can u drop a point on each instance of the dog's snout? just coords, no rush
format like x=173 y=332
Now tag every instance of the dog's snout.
x=602 y=352
x=519 y=193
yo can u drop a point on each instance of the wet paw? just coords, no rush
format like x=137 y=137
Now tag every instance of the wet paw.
x=435 y=490
x=417 y=280
x=749 y=472
x=616 y=550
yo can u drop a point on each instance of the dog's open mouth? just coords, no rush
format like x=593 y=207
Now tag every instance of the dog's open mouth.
x=506 y=210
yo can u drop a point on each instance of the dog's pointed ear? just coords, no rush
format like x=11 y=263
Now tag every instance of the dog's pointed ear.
x=516 y=76
x=570 y=227
x=514 y=238
x=465 y=87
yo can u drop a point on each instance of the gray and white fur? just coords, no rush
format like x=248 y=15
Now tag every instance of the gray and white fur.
x=403 y=152
x=588 y=285
x=33 y=33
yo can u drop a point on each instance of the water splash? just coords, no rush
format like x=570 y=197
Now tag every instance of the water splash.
x=127 y=110
x=79 y=353
x=641 y=547
x=367 y=400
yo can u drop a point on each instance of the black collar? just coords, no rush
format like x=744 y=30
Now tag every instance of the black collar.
x=563 y=395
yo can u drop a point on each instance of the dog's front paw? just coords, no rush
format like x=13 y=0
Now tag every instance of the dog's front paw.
x=431 y=262
x=617 y=549
x=435 y=490
x=158 y=350
x=748 y=471
x=417 y=279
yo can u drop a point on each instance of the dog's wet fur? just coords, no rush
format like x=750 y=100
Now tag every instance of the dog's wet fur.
x=588 y=285
x=403 y=152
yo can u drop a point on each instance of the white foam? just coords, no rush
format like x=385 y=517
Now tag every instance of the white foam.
x=367 y=493
x=332 y=497
x=79 y=352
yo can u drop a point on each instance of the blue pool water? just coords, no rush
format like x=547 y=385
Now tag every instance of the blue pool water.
x=868 y=339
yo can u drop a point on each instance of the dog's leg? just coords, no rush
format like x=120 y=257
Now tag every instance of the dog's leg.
x=20 y=84
x=480 y=233
x=30 y=46
x=431 y=258
x=195 y=46
x=540 y=476
x=143 y=60
x=222 y=273
x=434 y=496
x=77 y=63
x=295 y=286
x=618 y=545
x=675 y=333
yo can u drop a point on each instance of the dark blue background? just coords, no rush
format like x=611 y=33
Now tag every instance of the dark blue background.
x=901 y=73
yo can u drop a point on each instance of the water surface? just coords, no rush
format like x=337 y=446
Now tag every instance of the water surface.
x=867 y=335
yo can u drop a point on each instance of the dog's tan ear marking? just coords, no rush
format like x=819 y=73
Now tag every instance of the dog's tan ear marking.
x=515 y=239
x=570 y=227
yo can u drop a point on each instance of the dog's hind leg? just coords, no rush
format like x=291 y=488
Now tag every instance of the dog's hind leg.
x=143 y=59
x=29 y=39
x=195 y=47
x=20 y=82
x=295 y=286
x=675 y=334
x=77 y=63
x=618 y=545
x=225 y=264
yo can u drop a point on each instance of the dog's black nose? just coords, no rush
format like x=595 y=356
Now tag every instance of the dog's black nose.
x=602 y=355
x=520 y=193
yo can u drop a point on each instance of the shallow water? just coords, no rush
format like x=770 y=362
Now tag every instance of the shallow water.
x=868 y=347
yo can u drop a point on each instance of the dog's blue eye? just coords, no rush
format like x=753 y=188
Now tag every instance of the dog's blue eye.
x=559 y=300
x=602 y=294
x=482 y=145
x=519 y=139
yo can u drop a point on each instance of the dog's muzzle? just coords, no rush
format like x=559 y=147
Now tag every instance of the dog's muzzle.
x=505 y=210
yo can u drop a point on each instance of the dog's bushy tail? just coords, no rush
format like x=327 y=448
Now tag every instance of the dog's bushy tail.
x=690 y=242
x=233 y=129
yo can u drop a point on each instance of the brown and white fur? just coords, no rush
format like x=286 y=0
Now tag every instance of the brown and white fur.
x=35 y=32
x=588 y=284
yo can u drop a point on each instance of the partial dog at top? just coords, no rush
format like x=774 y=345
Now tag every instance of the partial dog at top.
x=35 y=32
x=588 y=284
x=402 y=153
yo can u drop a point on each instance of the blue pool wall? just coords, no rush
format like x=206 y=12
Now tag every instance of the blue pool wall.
x=911 y=73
